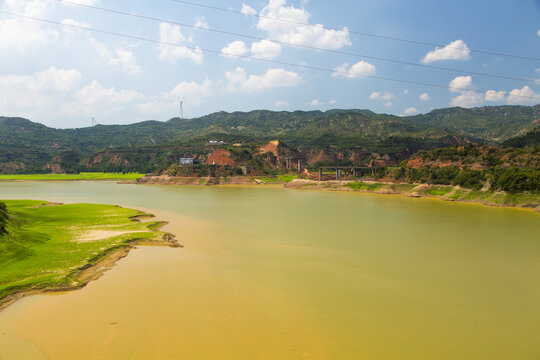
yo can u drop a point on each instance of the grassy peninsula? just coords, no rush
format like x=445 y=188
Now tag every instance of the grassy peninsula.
x=50 y=247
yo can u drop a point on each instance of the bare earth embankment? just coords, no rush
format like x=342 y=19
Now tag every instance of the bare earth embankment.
x=443 y=192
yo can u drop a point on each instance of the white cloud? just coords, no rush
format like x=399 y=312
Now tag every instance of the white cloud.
x=247 y=10
x=406 y=91
x=122 y=57
x=234 y=49
x=361 y=68
x=381 y=95
x=171 y=34
x=314 y=102
x=538 y=33
x=22 y=34
x=157 y=107
x=295 y=33
x=38 y=94
x=525 y=95
x=332 y=102
x=456 y=50
x=95 y=92
x=467 y=99
x=101 y=49
x=46 y=80
x=95 y=99
x=127 y=60
x=50 y=94
x=460 y=83
x=190 y=92
x=58 y=79
x=32 y=7
x=410 y=111
x=84 y=2
x=495 y=96
x=389 y=104
x=272 y=78
x=424 y=97
x=282 y=103
x=266 y=49
x=201 y=22
x=73 y=22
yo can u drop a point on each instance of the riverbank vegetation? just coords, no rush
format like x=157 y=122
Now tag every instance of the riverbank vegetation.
x=512 y=170
x=79 y=176
x=48 y=246
x=444 y=192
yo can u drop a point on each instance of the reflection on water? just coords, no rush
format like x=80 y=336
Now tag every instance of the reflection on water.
x=281 y=274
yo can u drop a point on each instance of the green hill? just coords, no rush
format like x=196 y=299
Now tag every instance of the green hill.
x=26 y=146
x=532 y=138
x=490 y=124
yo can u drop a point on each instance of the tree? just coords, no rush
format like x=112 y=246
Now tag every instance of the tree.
x=3 y=218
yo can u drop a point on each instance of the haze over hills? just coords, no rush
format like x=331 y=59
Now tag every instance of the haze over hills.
x=26 y=145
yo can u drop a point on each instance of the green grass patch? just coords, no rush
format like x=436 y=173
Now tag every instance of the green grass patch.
x=456 y=196
x=46 y=245
x=80 y=176
x=278 y=179
x=402 y=187
x=439 y=190
x=365 y=186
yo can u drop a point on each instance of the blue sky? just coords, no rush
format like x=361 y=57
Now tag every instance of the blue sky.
x=63 y=76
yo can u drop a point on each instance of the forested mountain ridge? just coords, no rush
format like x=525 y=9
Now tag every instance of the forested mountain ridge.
x=28 y=146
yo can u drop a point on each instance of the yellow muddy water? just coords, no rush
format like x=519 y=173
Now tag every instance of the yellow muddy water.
x=268 y=273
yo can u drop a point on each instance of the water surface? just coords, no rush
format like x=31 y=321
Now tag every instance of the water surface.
x=268 y=273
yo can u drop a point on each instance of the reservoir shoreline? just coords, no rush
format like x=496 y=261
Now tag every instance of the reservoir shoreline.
x=385 y=188
x=96 y=267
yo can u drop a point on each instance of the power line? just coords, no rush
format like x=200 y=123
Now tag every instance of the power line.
x=309 y=67
x=297 y=45
x=378 y=36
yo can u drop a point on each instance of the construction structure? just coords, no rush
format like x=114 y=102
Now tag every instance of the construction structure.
x=296 y=162
x=343 y=170
x=186 y=161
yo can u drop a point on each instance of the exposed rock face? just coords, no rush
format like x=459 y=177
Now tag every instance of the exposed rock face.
x=418 y=162
x=109 y=158
x=320 y=156
x=11 y=167
x=94 y=160
x=220 y=157
x=415 y=163
x=272 y=147
x=54 y=167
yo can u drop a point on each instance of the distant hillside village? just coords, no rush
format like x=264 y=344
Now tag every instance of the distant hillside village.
x=239 y=159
